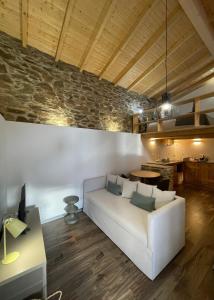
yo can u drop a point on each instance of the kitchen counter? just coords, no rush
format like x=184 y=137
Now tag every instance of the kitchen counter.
x=200 y=162
x=154 y=165
x=199 y=173
x=170 y=163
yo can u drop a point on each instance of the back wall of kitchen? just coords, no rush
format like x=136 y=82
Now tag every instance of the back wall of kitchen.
x=180 y=149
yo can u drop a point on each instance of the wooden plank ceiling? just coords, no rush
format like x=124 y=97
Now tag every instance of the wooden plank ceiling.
x=122 y=41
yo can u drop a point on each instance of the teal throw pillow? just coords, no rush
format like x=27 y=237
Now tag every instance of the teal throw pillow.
x=144 y=202
x=114 y=188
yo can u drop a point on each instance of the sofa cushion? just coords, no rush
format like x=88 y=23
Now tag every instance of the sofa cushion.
x=128 y=216
x=144 y=202
x=162 y=197
x=129 y=187
x=112 y=178
x=145 y=189
x=121 y=180
x=114 y=188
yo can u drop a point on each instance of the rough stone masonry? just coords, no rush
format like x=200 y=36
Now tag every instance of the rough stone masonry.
x=34 y=88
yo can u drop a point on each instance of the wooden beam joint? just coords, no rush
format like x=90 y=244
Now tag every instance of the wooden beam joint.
x=197 y=111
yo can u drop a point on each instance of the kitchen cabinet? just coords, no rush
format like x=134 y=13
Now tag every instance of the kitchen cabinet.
x=199 y=173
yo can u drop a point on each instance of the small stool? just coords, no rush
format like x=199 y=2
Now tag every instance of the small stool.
x=71 y=209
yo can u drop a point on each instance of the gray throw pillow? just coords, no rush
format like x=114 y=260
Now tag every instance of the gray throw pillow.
x=144 y=202
x=114 y=188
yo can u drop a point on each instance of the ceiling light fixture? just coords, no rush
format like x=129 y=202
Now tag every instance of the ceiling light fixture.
x=197 y=141
x=166 y=97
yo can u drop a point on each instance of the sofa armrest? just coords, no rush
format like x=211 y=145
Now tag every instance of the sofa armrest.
x=166 y=233
x=93 y=184
x=90 y=185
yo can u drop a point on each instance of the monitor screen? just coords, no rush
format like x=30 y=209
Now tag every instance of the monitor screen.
x=22 y=204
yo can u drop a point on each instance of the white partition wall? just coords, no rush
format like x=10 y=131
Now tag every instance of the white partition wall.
x=54 y=161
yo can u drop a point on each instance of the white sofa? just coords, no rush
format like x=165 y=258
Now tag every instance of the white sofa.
x=150 y=240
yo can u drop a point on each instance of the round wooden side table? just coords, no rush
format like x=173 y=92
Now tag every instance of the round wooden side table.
x=144 y=174
x=71 y=209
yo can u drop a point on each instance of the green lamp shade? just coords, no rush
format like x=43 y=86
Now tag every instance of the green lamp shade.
x=15 y=226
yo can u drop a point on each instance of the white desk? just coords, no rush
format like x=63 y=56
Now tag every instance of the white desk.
x=27 y=275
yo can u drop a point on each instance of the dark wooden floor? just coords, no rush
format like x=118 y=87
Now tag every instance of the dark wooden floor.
x=86 y=265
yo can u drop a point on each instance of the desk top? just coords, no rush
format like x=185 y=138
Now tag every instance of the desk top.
x=31 y=248
x=145 y=174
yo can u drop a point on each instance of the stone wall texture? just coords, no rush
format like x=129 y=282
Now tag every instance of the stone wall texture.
x=34 y=88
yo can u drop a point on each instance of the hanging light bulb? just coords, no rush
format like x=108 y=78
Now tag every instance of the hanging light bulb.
x=166 y=97
x=166 y=102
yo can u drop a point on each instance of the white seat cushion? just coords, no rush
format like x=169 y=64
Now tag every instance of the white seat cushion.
x=162 y=197
x=121 y=180
x=129 y=187
x=112 y=178
x=145 y=189
x=128 y=216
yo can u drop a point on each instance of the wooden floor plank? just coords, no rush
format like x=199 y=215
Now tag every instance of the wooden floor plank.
x=86 y=265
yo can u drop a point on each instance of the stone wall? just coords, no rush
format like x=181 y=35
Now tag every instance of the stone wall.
x=34 y=88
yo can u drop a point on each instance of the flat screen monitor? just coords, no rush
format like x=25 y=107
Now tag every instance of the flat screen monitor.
x=22 y=205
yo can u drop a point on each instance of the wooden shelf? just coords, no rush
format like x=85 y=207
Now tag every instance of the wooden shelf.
x=183 y=133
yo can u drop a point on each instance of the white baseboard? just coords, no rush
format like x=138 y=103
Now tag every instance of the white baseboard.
x=53 y=219
x=58 y=217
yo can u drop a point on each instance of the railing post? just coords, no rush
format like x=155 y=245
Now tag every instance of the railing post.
x=160 y=126
x=197 y=111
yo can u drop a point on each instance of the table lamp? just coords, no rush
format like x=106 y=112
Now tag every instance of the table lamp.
x=15 y=227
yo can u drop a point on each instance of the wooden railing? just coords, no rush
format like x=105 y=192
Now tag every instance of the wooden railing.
x=196 y=113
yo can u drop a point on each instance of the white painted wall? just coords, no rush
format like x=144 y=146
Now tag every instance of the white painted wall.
x=54 y=161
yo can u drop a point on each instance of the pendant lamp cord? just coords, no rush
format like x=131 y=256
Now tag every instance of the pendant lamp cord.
x=166 y=23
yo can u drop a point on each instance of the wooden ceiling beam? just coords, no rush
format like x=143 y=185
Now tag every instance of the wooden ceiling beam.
x=102 y=20
x=64 y=28
x=181 y=92
x=189 y=78
x=153 y=39
x=188 y=75
x=160 y=85
x=198 y=17
x=187 y=89
x=128 y=37
x=178 y=44
x=195 y=83
x=24 y=22
x=190 y=100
